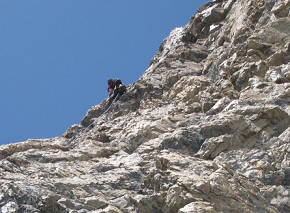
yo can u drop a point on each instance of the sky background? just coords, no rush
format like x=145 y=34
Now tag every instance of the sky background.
x=56 y=56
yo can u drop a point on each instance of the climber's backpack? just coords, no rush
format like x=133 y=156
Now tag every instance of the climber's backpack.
x=122 y=88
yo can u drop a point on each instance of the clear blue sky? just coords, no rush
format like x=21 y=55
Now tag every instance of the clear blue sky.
x=56 y=56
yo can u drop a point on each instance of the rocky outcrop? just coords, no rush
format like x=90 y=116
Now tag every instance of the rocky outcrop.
x=205 y=129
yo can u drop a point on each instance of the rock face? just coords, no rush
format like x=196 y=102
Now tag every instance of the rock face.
x=205 y=129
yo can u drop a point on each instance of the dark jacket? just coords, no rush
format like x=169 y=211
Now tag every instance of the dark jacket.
x=113 y=84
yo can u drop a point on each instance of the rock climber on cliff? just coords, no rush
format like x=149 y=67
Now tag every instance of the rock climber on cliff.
x=115 y=86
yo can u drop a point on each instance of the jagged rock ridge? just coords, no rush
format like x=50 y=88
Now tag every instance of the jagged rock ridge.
x=205 y=128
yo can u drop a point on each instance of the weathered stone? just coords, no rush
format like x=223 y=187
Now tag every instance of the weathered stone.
x=73 y=131
x=281 y=9
x=199 y=206
x=205 y=129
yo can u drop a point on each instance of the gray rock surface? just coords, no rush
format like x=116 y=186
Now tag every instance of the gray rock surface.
x=206 y=128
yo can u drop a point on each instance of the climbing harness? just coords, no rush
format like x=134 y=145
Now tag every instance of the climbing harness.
x=97 y=120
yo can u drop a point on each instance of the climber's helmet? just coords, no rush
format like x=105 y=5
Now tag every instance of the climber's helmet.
x=109 y=81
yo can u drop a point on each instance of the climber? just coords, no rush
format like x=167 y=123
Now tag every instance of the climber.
x=116 y=86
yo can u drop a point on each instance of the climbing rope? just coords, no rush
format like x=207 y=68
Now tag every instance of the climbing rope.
x=97 y=120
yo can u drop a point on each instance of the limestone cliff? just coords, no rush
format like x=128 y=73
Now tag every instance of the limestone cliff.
x=205 y=128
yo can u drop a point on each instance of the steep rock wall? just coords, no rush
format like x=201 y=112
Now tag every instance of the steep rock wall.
x=205 y=128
